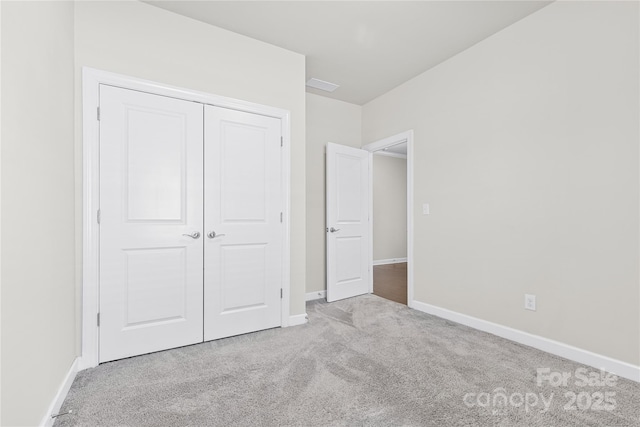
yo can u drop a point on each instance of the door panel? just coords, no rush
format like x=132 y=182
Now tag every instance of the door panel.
x=348 y=272
x=155 y=175
x=243 y=204
x=243 y=177
x=349 y=170
x=243 y=277
x=151 y=195
x=164 y=284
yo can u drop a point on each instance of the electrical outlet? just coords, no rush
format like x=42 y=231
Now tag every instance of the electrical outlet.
x=425 y=209
x=530 y=302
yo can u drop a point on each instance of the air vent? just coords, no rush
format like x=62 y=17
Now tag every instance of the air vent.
x=322 y=85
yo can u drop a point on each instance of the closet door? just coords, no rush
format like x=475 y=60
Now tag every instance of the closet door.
x=151 y=225
x=243 y=228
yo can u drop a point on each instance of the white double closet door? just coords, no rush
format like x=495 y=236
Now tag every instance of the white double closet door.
x=191 y=237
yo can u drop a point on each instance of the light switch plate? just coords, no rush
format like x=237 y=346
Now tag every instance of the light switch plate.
x=425 y=209
x=530 y=302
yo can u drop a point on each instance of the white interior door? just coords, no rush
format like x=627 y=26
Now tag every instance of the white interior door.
x=243 y=223
x=151 y=221
x=348 y=268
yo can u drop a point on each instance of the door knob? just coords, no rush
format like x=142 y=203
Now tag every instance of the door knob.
x=333 y=230
x=194 y=235
x=213 y=235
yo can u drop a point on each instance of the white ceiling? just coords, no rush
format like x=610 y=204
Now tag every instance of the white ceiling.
x=397 y=149
x=366 y=47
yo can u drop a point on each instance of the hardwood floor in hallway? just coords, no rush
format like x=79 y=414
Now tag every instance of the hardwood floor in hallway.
x=390 y=282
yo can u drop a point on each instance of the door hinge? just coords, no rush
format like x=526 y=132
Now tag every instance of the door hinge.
x=280 y=293
x=98 y=216
x=281 y=216
x=98 y=319
x=281 y=141
x=98 y=113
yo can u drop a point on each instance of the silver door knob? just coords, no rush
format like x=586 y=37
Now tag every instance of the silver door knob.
x=194 y=235
x=213 y=235
x=333 y=230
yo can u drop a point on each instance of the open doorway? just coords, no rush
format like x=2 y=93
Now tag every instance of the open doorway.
x=389 y=172
x=391 y=219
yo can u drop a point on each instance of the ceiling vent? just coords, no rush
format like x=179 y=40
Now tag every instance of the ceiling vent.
x=322 y=85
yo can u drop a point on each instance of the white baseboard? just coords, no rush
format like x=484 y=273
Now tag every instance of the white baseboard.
x=310 y=296
x=298 y=319
x=57 y=401
x=389 y=261
x=617 y=367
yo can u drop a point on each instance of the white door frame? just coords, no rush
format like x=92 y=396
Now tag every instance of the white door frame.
x=377 y=146
x=91 y=81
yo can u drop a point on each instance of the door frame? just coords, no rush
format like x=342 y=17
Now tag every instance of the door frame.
x=381 y=144
x=91 y=80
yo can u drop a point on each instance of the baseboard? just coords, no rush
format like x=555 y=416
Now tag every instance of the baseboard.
x=617 y=367
x=58 y=400
x=389 y=261
x=298 y=319
x=310 y=296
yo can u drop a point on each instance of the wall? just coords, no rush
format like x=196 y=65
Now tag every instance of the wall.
x=143 y=41
x=328 y=120
x=389 y=207
x=38 y=283
x=0 y=215
x=526 y=148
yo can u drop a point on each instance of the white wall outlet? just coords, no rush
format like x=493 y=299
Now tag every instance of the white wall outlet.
x=530 y=302
x=425 y=209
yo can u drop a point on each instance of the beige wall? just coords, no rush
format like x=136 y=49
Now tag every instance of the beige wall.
x=328 y=120
x=38 y=284
x=143 y=41
x=526 y=148
x=389 y=207
x=0 y=214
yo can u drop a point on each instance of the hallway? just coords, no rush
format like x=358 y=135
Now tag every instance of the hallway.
x=390 y=282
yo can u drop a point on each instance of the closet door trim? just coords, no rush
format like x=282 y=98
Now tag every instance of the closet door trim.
x=91 y=81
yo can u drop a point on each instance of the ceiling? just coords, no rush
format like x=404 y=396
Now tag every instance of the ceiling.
x=397 y=149
x=366 y=47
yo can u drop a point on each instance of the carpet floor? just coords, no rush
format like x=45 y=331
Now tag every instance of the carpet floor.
x=365 y=361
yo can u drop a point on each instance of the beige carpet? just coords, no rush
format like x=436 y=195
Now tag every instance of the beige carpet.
x=364 y=361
